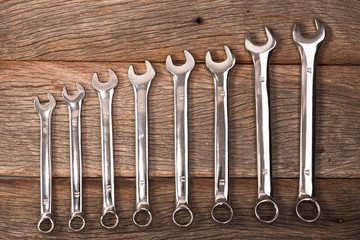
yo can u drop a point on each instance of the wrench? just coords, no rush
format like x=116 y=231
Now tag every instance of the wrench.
x=261 y=58
x=141 y=84
x=45 y=112
x=220 y=73
x=308 y=48
x=105 y=92
x=180 y=76
x=74 y=104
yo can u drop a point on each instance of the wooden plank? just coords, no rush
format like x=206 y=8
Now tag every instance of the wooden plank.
x=138 y=30
x=20 y=211
x=337 y=120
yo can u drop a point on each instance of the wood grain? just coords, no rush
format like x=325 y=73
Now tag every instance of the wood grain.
x=137 y=30
x=20 y=211
x=337 y=120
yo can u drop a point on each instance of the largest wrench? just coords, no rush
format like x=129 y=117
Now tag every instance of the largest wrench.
x=106 y=92
x=308 y=48
x=220 y=72
x=45 y=112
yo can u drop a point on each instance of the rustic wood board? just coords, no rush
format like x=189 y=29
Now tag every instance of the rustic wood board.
x=46 y=45
x=135 y=30
x=20 y=206
x=337 y=120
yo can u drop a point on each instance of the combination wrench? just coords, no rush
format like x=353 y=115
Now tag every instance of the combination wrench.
x=261 y=58
x=45 y=113
x=308 y=48
x=220 y=73
x=141 y=85
x=180 y=77
x=105 y=92
x=74 y=104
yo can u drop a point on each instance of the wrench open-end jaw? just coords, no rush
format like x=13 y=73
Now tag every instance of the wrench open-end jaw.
x=258 y=49
x=141 y=84
x=180 y=76
x=315 y=39
x=74 y=103
x=45 y=108
x=183 y=69
x=308 y=48
x=100 y=86
x=144 y=79
x=105 y=92
x=73 y=99
x=217 y=68
x=45 y=112
x=261 y=58
x=220 y=72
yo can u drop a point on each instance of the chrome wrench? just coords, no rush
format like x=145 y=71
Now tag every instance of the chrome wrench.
x=308 y=48
x=141 y=84
x=261 y=58
x=180 y=76
x=220 y=73
x=105 y=92
x=74 y=104
x=45 y=113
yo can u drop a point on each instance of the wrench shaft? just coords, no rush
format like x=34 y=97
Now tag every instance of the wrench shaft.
x=307 y=125
x=75 y=156
x=263 y=134
x=141 y=121
x=221 y=138
x=181 y=139
x=45 y=163
x=107 y=149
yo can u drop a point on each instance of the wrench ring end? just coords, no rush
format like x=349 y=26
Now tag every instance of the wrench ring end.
x=314 y=203
x=222 y=204
x=276 y=215
x=80 y=216
x=107 y=212
x=45 y=217
x=183 y=208
x=139 y=211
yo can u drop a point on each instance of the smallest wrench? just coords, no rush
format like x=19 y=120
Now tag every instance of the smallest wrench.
x=45 y=113
x=74 y=104
x=141 y=84
x=261 y=57
x=220 y=73
x=105 y=92
x=308 y=49
x=180 y=78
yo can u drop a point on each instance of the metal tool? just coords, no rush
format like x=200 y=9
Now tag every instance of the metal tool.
x=45 y=113
x=141 y=84
x=220 y=73
x=180 y=76
x=261 y=58
x=74 y=104
x=308 y=48
x=105 y=92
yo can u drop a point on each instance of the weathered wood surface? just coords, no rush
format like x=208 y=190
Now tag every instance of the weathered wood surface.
x=45 y=45
x=20 y=211
x=337 y=121
x=136 y=30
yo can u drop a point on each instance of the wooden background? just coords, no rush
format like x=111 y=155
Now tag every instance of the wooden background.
x=45 y=45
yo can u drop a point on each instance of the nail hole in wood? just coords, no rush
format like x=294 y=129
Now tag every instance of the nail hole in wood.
x=199 y=20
